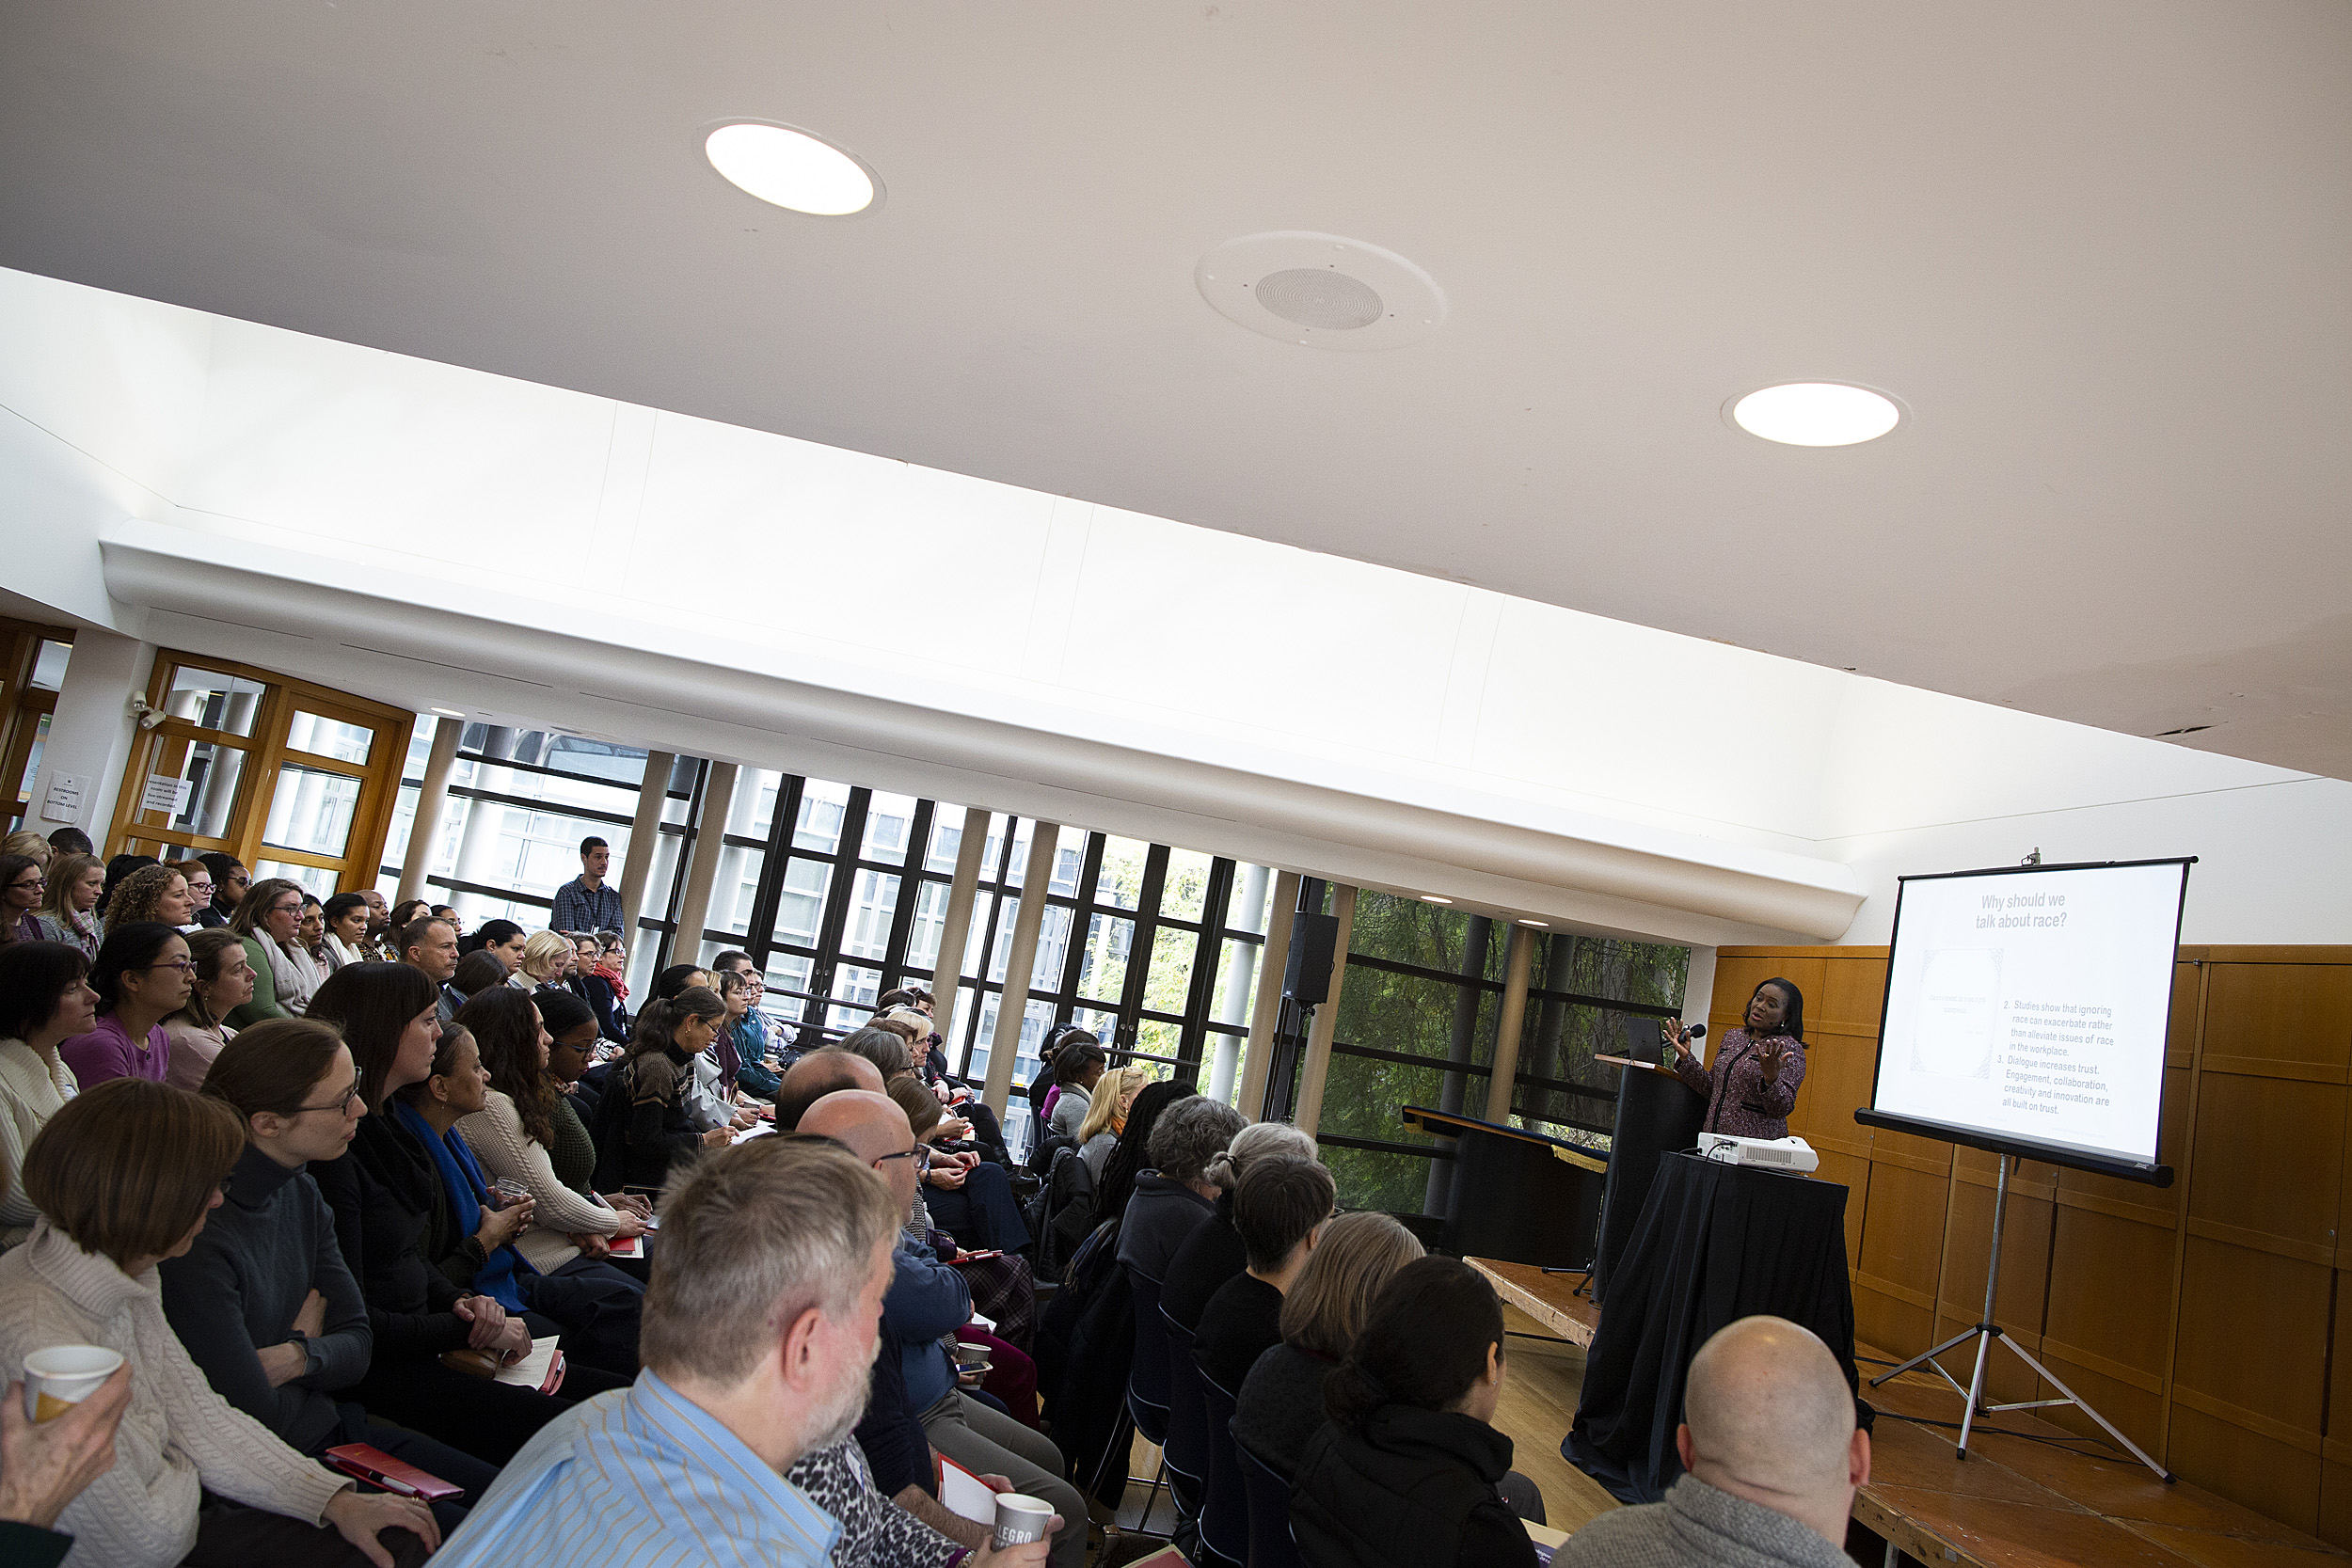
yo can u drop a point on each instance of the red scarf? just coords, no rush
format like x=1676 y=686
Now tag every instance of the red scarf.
x=620 y=987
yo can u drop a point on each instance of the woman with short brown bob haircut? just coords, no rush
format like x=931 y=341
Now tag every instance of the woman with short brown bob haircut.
x=125 y=1175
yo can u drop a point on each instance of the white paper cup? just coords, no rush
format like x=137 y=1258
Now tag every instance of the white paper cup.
x=967 y=1353
x=62 y=1376
x=1020 y=1519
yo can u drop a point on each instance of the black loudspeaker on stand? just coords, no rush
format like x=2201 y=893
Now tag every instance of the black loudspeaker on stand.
x=1314 y=942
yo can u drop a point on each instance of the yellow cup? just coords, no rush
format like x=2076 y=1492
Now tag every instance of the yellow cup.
x=62 y=1376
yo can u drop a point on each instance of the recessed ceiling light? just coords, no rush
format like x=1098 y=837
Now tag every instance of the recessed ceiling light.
x=1539 y=925
x=791 y=168
x=1433 y=898
x=1816 y=414
x=451 y=711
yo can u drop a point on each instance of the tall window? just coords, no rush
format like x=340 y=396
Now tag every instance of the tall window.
x=1419 y=1011
x=32 y=666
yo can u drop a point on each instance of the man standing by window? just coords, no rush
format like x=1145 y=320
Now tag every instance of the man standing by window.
x=586 y=903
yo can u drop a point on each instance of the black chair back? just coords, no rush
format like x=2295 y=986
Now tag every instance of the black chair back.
x=1225 y=1526
x=1269 y=1490
x=1187 y=1413
x=1146 y=1374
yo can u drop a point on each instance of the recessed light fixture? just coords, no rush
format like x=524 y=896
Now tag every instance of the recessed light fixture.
x=1433 y=898
x=1539 y=925
x=791 y=168
x=1816 y=414
x=451 y=711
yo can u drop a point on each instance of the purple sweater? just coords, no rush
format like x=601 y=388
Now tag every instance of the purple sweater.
x=107 y=1052
x=1739 y=1100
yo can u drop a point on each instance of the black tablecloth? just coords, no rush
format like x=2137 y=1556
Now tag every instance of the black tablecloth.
x=1715 y=1243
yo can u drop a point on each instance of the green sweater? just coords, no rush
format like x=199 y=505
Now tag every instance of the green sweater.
x=264 y=1003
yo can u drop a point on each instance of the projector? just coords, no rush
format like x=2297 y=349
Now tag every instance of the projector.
x=1790 y=1154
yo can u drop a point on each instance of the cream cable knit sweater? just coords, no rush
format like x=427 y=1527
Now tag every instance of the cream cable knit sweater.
x=31 y=1091
x=496 y=1136
x=178 y=1436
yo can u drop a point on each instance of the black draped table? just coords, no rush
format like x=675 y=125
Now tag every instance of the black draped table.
x=1715 y=1243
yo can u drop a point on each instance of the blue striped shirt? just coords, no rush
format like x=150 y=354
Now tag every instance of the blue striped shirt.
x=645 y=1478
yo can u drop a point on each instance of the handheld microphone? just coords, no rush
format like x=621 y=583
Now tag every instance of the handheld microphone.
x=1698 y=1031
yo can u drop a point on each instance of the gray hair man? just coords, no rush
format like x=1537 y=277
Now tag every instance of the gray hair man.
x=1773 y=1457
x=759 y=1328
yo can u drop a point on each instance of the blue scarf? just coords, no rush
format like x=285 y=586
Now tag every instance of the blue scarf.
x=468 y=1194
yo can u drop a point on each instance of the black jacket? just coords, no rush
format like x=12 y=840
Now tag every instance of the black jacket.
x=1412 y=1489
x=385 y=1197
x=1212 y=1255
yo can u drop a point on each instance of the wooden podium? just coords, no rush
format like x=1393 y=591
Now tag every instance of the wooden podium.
x=1517 y=1195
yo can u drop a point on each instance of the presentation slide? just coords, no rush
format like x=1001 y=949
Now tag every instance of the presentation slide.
x=2030 y=1006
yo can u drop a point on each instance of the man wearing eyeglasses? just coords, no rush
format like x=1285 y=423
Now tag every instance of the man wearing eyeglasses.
x=927 y=1300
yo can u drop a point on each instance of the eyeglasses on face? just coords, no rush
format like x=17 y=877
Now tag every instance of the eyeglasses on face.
x=902 y=1154
x=28 y=884
x=166 y=963
x=341 y=1106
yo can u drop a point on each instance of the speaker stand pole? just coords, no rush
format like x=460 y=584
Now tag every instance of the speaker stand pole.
x=1986 y=1333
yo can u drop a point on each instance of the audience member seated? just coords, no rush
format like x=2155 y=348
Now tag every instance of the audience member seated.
x=473 y=1233
x=311 y=932
x=592 y=985
x=1132 y=1155
x=1279 y=1209
x=501 y=938
x=68 y=907
x=151 y=893
x=141 y=978
x=926 y=1302
x=817 y=1075
x=230 y=881
x=123 y=1177
x=1404 y=1473
x=759 y=1327
x=117 y=868
x=430 y=946
x=408 y=912
x=1107 y=1117
x=546 y=961
x=30 y=843
x=199 y=879
x=1214 y=1253
x=645 y=1098
x=383 y=1194
x=44 y=1002
x=285 y=976
x=1772 y=1459
x=1078 y=1068
x=477 y=973
x=220 y=980
x=347 y=920
x=745 y=1035
x=573 y=1035
x=523 y=1123
x=46 y=1467
x=71 y=841
x=970 y=1197
x=261 y=1300
x=1281 y=1403
x=1175 y=1195
x=23 y=886
x=1003 y=1289
x=876 y=1530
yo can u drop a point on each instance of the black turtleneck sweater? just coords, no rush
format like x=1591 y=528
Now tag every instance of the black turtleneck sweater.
x=261 y=1253
x=1410 y=1488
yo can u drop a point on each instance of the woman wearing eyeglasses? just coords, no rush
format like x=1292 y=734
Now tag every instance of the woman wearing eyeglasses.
x=263 y=1300
x=142 y=977
x=23 y=886
x=221 y=982
x=284 y=977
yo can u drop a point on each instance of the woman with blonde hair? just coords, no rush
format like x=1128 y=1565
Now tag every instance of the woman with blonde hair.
x=155 y=893
x=1107 y=1116
x=68 y=907
x=546 y=956
x=221 y=982
x=125 y=1175
x=30 y=845
x=1280 y=1403
x=285 y=976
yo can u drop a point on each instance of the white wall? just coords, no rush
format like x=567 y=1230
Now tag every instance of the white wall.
x=801 y=601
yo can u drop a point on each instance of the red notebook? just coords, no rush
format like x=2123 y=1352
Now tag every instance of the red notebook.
x=378 y=1468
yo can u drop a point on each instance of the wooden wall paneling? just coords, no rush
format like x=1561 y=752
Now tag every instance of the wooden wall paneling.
x=2335 y=1470
x=1902 y=1254
x=2251 y=1359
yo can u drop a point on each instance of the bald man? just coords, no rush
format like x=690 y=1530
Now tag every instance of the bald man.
x=817 y=1075
x=929 y=1300
x=1773 y=1458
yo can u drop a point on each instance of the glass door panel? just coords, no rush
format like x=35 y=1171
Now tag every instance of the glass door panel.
x=311 y=810
x=212 y=701
x=332 y=738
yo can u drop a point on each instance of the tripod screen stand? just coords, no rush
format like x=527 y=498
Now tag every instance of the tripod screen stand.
x=1986 y=1333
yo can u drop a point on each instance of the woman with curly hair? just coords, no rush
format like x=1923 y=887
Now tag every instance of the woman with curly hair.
x=155 y=893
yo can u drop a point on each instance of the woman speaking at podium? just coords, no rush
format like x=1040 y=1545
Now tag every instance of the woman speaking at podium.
x=1753 y=1086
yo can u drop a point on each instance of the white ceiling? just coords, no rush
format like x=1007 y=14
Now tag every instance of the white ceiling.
x=2103 y=251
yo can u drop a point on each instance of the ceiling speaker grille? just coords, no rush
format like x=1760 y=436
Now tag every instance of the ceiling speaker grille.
x=1319 y=298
